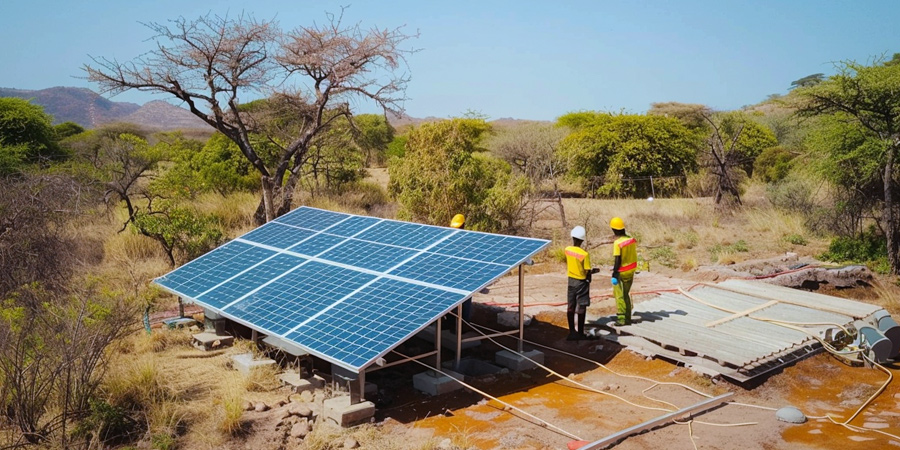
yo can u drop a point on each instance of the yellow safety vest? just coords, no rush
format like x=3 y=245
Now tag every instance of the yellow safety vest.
x=626 y=247
x=578 y=262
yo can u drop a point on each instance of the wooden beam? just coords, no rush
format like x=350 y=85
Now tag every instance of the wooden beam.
x=782 y=300
x=641 y=427
x=741 y=314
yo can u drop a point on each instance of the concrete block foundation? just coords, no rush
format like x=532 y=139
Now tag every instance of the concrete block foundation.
x=244 y=363
x=212 y=341
x=340 y=411
x=433 y=383
x=299 y=384
x=517 y=362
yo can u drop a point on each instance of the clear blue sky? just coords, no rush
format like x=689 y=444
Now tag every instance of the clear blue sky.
x=521 y=59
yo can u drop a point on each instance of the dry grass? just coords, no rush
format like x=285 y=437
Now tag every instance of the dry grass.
x=232 y=403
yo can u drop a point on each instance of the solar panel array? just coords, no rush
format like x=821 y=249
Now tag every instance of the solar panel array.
x=345 y=288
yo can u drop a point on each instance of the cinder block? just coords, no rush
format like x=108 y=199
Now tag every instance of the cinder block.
x=516 y=362
x=340 y=411
x=244 y=363
x=433 y=383
x=212 y=341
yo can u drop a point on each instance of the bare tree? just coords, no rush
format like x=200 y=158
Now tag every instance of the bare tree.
x=312 y=73
x=531 y=149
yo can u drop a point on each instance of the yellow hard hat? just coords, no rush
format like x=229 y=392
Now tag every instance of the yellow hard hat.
x=458 y=221
x=617 y=223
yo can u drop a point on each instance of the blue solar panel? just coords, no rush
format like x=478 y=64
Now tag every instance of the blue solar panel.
x=346 y=288
x=205 y=272
x=295 y=297
x=317 y=244
x=352 y=226
x=277 y=235
x=312 y=219
x=404 y=234
x=488 y=247
x=374 y=320
x=246 y=282
x=368 y=255
x=448 y=271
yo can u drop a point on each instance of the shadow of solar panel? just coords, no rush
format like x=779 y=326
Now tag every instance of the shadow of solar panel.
x=373 y=320
x=448 y=271
x=351 y=226
x=209 y=270
x=297 y=296
x=368 y=255
x=311 y=218
x=246 y=282
x=317 y=244
x=488 y=247
x=277 y=235
x=404 y=234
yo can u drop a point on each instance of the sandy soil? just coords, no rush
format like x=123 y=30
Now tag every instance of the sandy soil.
x=630 y=389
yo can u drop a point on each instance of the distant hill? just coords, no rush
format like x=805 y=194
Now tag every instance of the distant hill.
x=89 y=109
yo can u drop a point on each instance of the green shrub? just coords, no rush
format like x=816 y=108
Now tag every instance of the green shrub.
x=773 y=164
x=665 y=256
x=716 y=251
x=869 y=247
x=796 y=239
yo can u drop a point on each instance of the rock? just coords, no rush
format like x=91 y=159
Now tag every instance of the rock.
x=816 y=431
x=306 y=396
x=300 y=429
x=790 y=414
x=260 y=407
x=248 y=406
x=511 y=319
x=350 y=443
x=279 y=404
x=300 y=410
x=319 y=398
x=445 y=444
x=860 y=438
x=875 y=425
x=282 y=414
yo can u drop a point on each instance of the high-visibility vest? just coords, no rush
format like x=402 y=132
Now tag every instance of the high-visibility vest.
x=626 y=247
x=578 y=262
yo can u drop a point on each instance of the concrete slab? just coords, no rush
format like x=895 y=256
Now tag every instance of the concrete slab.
x=212 y=341
x=472 y=368
x=179 y=322
x=517 y=362
x=244 y=363
x=448 y=339
x=433 y=383
x=340 y=411
x=299 y=384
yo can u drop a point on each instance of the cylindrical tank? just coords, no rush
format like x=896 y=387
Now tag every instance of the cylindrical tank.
x=880 y=346
x=889 y=328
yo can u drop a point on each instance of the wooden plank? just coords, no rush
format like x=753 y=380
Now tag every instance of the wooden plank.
x=741 y=314
x=650 y=424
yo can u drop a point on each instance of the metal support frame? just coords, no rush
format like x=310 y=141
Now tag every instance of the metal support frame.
x=521 y=306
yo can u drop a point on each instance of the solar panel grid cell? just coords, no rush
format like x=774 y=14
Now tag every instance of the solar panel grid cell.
x=277 y=235
x=403 y=234
x=312 y=219
x=368 y=255
x=253 y=278
x=449 y=271
x=205 y=272
x=297 y=296
x=371 y=321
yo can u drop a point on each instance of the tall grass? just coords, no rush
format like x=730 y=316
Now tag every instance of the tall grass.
x=231 y=396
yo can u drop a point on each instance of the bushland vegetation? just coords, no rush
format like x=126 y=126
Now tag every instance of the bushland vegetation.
x=88 y=217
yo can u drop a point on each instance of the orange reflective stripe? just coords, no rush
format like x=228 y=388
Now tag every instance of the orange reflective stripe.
x=631 y=266
x=624 y=244
x=575 y=255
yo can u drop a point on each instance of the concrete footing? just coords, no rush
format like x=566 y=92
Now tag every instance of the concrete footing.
x=433 y=383
x=244 y=363
x=299 y=384
x=517 y=362
x=340 y=411
x=212 y=341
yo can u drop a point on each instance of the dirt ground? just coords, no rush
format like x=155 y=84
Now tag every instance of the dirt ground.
x=630 y=389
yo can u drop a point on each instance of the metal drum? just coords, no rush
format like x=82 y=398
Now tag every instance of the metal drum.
x=889 y=328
